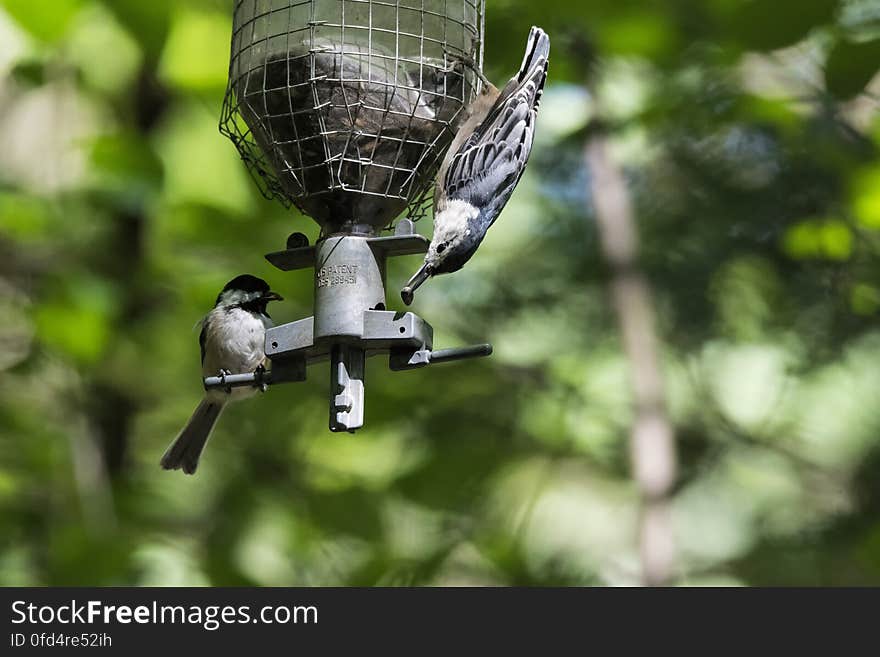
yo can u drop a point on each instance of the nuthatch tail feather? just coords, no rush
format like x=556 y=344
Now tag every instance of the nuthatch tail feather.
x=484 y=164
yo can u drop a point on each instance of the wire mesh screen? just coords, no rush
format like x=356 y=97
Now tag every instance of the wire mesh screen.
x=345 y=108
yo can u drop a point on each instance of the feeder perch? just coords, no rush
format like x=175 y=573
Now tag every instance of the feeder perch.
x=345 y=110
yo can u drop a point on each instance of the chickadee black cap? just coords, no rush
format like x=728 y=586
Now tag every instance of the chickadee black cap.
x=247 y=283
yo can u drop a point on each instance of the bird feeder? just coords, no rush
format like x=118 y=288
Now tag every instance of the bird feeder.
x=345 y=110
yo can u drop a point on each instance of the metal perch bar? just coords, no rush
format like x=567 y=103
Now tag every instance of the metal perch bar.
x=258 y=379
x=415 y=359
x=460 y=353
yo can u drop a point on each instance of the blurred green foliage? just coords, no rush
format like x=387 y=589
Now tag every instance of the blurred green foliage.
x=749 y=131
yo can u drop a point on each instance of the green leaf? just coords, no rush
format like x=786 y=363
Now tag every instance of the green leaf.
x=196 y=55
x=865 y=299
x=851 y=66
x=821 y=239
x=46 y=20
x=866 y=197
x=643 y=33
x=148 y=21
x=126 y=165
x=128 y=157
x=29 y=73
x=77 y=322
x=25 y=218
x=774 y=24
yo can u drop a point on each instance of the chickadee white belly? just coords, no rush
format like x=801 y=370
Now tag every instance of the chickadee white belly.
x=232 y=341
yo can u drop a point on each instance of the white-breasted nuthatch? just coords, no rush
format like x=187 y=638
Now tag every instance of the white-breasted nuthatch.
x=484 y=164
x=231 y=341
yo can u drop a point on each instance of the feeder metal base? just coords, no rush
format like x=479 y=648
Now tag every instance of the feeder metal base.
x=350 y=323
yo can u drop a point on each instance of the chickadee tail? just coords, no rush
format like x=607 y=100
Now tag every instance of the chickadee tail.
x=184 y=452
x=534 y=63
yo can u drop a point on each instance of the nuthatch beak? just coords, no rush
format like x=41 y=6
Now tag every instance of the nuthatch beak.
x=420 y=277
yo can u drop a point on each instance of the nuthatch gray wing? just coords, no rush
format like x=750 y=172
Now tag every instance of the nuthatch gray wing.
x=484 y=164
x=231 y=340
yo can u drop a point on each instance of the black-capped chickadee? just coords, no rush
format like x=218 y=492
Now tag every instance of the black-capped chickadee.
x=232 y=342
x=484 y=164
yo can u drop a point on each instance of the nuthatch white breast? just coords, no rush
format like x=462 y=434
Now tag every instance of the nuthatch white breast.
x=484 y=164
x=231 y=340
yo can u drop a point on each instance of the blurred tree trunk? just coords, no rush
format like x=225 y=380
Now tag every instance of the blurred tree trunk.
x=113 y=409
x=652 y=443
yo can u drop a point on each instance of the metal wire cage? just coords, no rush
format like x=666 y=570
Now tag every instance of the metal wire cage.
x=345 y=108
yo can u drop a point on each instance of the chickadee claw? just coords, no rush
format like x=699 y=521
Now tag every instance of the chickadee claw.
x=259 y=373
x=223 y=374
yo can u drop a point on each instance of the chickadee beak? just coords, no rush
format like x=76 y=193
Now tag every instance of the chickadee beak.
x=272 y=296
x=420 y=277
